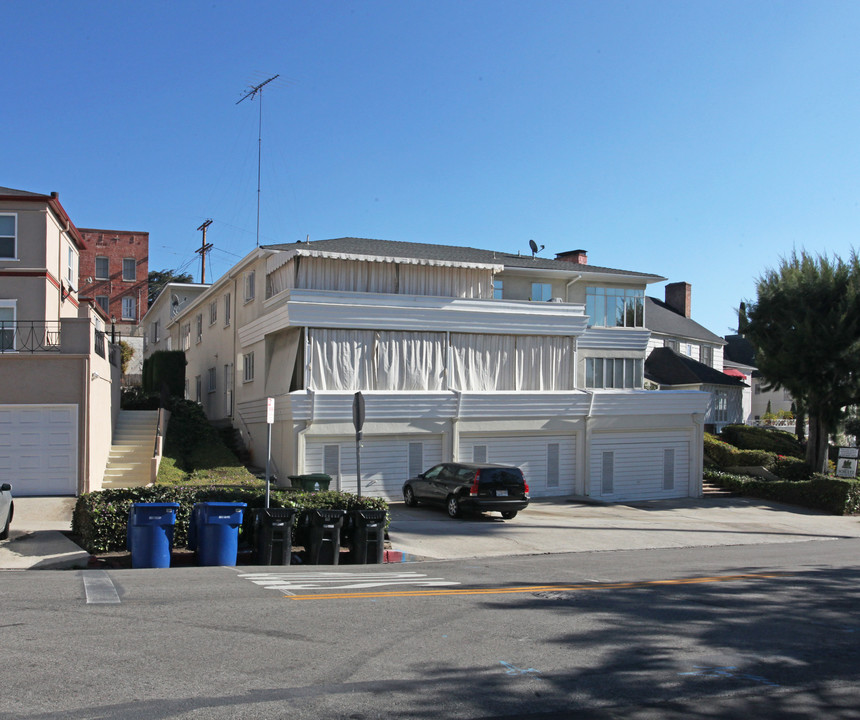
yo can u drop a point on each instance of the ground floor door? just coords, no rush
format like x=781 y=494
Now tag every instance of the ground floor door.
x=386 y=462
x=548 y=462
x=39 y=449
x=640 y=466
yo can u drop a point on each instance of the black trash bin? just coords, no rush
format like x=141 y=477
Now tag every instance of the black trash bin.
x=322 y=535
x=273 y=534
x=368 y=536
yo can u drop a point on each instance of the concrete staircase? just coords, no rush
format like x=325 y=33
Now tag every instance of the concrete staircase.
x=130 y=460
x=714 y=491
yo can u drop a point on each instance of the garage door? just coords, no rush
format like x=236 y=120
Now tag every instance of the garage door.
x=39 y=449
x=548 y=462
x=386 y=462
x=640 y=466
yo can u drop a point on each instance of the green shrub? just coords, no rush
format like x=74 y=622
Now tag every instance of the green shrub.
x=821 y=492
x=100 y=518
x=791 y=468
x=747 y=437
x=724 y=455
x=165 y=367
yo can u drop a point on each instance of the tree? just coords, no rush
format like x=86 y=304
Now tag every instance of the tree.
x=805 y=327
x=159 y=278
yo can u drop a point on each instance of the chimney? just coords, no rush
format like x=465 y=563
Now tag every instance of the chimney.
x=678 y=297
x=579 y=257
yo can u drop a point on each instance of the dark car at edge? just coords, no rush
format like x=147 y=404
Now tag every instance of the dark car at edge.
x=470 y=487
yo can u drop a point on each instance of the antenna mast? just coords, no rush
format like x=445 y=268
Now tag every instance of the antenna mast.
x=204 y=248
x=252 y=93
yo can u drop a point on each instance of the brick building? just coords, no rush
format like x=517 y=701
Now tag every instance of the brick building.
x=114 y=270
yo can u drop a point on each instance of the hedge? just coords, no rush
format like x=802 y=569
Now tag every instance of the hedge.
x=100 y=518
x=747 y=437
x=725 y=455
x=838 y=496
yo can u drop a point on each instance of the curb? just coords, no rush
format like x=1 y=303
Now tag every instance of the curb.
x=398 y=556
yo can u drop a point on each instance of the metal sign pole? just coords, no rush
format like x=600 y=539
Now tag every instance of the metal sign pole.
x=270 y=419
x=358 y=422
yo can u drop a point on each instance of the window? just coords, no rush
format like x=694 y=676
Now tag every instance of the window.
x=186 y=336
x=248 y=367
x=552 y=464
x=227 y=303
x=721 y=406
x=103 y=302
x=71 y=273
x=541 y=292
x=416 y=459
x=186 y=395
x=786 y=395
x=607 y=472
x=213 y=312
x=129 y=305
x=620 y=373
x=129 y=268
x=497 y=289
x=213 y=379
x=707 y=355
x=8 y=235
x=198 y=388
x=758 y=388
x=7 y=325
x=669 y=469
x=199 y=327
x=102 y=268
x=155 y=332
x=615 y=307
x=250 y=286
x=479 y=453
x=687 y=349
x=169 y=343
x=671 y=343
x=228 y=392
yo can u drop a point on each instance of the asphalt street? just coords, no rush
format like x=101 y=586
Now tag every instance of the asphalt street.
x=768 y=630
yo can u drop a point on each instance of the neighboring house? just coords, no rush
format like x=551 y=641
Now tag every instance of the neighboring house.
x=673 y=329
x=114 y=271
x=459 y=353
x=740 y=355
x=60 y=392
x=671 y=371
x=170 y=301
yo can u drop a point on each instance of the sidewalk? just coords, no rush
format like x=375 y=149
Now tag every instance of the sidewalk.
x=36 y=539
x=547 y=526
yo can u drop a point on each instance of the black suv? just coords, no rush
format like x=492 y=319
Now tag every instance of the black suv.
x=470 y=487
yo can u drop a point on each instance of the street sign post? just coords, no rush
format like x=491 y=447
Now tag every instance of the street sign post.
x=358 y=422
x=270 y=420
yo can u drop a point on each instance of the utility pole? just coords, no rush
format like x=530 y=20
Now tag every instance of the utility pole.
x=204 y=248
x=253 y=92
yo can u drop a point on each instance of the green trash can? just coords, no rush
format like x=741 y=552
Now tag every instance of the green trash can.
x=311 y=482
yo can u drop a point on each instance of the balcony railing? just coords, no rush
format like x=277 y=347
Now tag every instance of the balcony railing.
x=32 y=336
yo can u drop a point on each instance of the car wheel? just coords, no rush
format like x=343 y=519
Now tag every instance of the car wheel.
x=4 y=535
x=509 y=514
x=453 y=506
x=409 y=497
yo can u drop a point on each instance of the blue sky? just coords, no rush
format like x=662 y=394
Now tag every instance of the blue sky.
x=700 y=141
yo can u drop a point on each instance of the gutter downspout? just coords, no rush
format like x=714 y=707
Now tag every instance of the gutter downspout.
x=83 y=484
x=455 y=427
x=586 y=464
x=567 y=287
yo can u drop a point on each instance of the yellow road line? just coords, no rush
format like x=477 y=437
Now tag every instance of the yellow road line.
x=533 y=588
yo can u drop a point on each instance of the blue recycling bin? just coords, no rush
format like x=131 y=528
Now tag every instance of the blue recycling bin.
x=149 y=536
x=216 y=532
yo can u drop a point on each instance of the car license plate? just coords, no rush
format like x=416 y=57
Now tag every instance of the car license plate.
x=501 y=493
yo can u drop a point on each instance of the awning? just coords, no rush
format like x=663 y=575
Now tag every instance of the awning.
x=734 y=373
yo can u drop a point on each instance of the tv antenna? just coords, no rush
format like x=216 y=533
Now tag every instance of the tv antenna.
x=534 y=246
x=252 y=93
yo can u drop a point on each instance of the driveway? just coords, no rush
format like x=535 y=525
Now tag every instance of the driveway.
x=553 y=526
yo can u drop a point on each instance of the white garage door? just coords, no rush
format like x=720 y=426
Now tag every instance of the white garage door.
x=386 y=462
x=39 y=449
x=548 y=462
x=640 y=466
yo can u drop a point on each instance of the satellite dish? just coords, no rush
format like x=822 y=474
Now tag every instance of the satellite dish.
x=533 y=246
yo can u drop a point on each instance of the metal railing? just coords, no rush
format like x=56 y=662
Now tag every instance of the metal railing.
x=30 y=336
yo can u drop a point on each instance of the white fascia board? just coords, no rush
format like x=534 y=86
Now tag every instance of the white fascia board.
x=649 y=402
x=419 y=312
x=596 y=338
x=622 y=278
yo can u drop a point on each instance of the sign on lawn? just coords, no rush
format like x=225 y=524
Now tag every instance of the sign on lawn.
x=847 y=464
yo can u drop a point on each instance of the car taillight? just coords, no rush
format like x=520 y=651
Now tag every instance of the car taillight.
x=474 y=489
x=527 y=486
